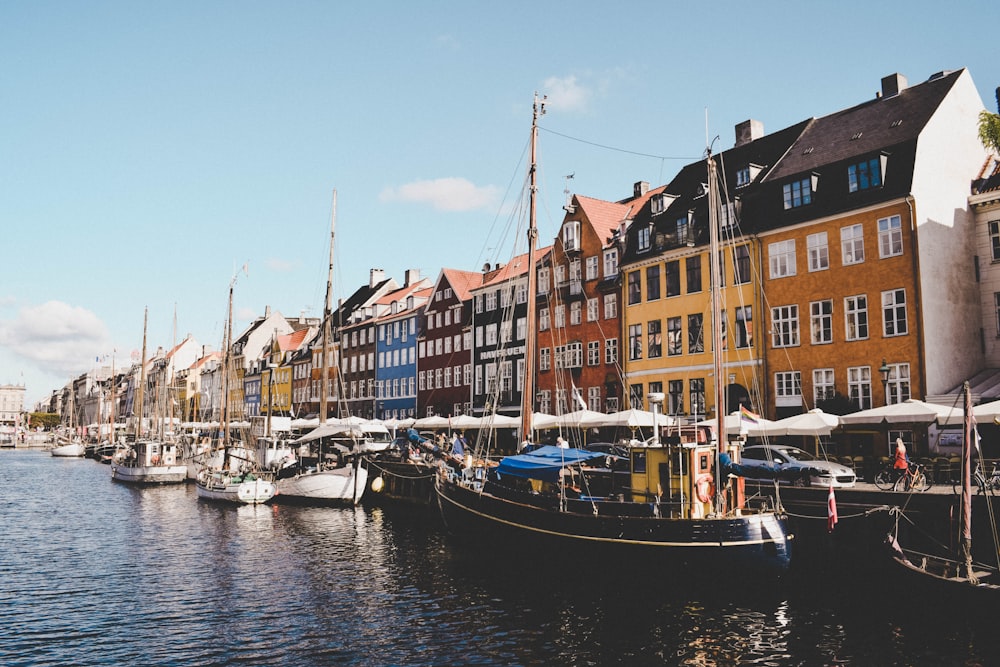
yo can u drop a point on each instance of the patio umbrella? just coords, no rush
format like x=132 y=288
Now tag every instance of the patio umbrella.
x=987 y=411
x=580 y=419
x=633 y=419
x=910 y=411
x=815 y=423
x=436 y=421
x=736 y=424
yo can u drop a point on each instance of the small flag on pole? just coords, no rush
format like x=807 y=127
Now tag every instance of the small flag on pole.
x=831 y=511
x=747 y=416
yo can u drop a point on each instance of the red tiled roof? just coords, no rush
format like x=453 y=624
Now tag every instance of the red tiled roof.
x=293 y=341
x=462 y=281
x=517 y=266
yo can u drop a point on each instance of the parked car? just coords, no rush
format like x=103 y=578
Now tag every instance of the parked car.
x=793 y=465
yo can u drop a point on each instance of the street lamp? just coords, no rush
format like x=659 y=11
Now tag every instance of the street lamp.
x=884 y=370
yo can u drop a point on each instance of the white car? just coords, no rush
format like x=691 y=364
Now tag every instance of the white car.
x=793 y=465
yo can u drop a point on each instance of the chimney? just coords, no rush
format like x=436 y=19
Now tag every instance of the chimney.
x=410 y=276
x=375 y=277
x=267 y=312
x=893 y=84
x=749 y=130
x=640 y=188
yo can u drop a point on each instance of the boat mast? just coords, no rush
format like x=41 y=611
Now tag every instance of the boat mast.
x=965 y=537
x=111 y=407
x=717 y=324
x=140 y=390
x=227 y=342
x=327 y=313
x=528 y=395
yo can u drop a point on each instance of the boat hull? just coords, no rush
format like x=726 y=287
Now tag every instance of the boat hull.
x=240 y=491
x=158 y=474
x=759 y=542
x=72 y=450
x=336 y=486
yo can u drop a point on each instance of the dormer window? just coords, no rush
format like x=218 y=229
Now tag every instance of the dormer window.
x=571 y=235
x=643 y=238
x=657 y=204
x=866 y=174
x=743 y=176
x=797 y=193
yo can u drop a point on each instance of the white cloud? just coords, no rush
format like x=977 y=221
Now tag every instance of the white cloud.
x=56 y=337
x=445 y=194
x=448 y=42
x=566 y=94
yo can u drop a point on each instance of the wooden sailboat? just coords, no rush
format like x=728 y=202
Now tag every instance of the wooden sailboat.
x=956 y=577
x=669 y=512
x=334 y=473
x=71 y=446
x=146 y=460
x=237 y=479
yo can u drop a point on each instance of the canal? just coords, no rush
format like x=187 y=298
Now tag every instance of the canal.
x=96 y=573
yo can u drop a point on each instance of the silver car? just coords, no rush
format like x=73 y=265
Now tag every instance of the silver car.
x=793 y=465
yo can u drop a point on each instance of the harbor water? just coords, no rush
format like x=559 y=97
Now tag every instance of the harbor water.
x=94 y=572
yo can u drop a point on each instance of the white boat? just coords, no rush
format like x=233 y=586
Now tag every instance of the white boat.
x=330 y=474
x=148 y=462
x=71 y=449
x=237 y=478
x=233 y=487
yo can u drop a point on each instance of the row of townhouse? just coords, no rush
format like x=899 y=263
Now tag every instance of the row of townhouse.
x=855 y=267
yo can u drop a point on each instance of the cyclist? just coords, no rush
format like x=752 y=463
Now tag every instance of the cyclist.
x=901 y=460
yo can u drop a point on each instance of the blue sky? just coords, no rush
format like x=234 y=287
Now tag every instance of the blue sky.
x=148 y=150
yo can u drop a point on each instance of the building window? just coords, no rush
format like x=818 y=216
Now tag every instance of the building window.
x=592 y=310
x=543 y=320
x=594 y=353
x=894 y=312
x=819 y=254
x=744 y=326
x=785 y=326
x=693 y=266
x=610 y=306
x=821 y=321
x=675 y=344
x=697 y=387
x=675 y=397
x=544 y=358
x=592 y=268
x=634 y=341
x=743 y=176
x=594 y=399
x=852 y=244
x=643 y=238
x=560 y=316
x=611 y=262
x=781 y=257
x=635 y=396
x=491 y=334
x=673 y=273
x=571 y=235
x=545 y=401
x=788 y=388
x=741 y=264
x=654 y=336
x=996 y=308
x=653 y=282
x=522 y=330
x=994 y=226
x=823 y=387
x=576 y=312
x=898 y=386
x=543 y=280
x=575 y=272
x=560 y=275
x=859 y=386
x=696 y=334
x=890 y=237
x=491 y=300
x=634 y=287
x=864 y=175
x=856 y=317
x=797 y=193
x=611 y=351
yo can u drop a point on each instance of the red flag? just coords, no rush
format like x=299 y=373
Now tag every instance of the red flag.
x=831 y=511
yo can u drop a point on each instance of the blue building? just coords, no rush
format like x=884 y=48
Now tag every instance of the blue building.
x=396 y=352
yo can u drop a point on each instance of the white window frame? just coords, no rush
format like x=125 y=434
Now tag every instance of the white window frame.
x=785 y=326
x=824 y=386
x=894 y=321
x=859 y=386
x=781 y=258
x=852 y=244
x=890 y=237
x=821 y=322
x=856 y=317
x=819 y=252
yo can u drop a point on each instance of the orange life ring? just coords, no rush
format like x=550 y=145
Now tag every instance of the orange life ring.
x=704 y=487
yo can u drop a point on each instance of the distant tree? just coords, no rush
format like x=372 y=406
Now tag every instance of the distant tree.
x=44 y=419
x=989 y=127
x=838 y=404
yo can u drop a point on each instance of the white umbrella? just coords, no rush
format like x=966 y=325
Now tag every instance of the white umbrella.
x=987 y=411
x=494 y=421
x=463 y=422
x=910 y=411
x=735 y=424
x=634 y=419
x=541 y=421
x=815 y=422
x=580 y=419
x=436 y=421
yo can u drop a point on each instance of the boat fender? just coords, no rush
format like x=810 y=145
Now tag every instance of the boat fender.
x=377 y=484
x=704 y=488
x=155 y=459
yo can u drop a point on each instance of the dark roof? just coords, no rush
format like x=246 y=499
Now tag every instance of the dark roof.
x=361 y=296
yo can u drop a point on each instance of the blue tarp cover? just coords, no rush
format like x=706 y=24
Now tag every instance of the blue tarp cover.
x=544 y=463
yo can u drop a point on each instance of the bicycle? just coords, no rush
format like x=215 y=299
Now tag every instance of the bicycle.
x=983 y=483
x=912 y=479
